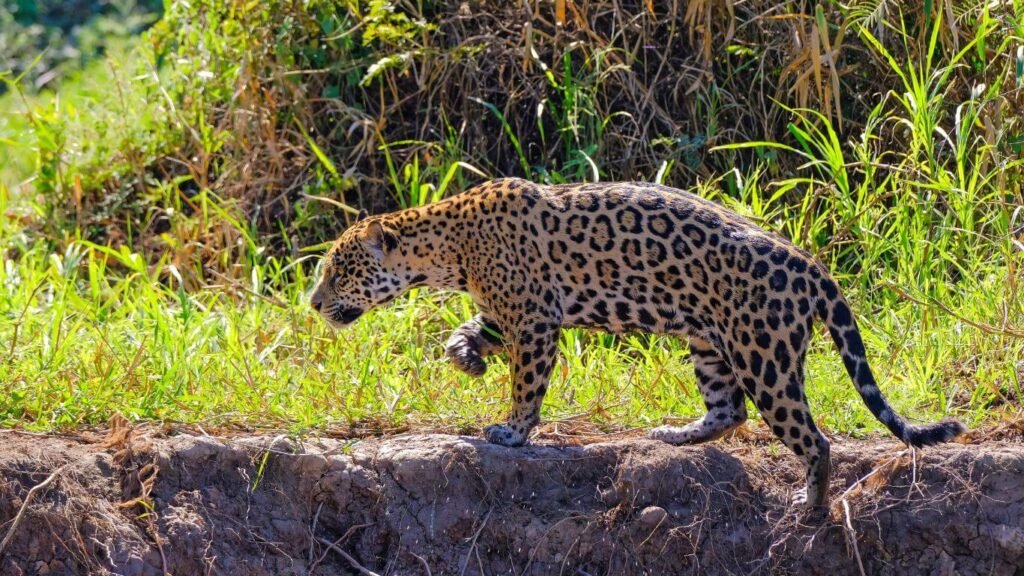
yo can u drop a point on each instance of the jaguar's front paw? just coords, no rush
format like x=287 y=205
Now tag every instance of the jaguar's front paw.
x=504 y=435
x=465 y=356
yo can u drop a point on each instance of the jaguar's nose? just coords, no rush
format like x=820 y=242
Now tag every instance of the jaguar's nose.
x=316 y=301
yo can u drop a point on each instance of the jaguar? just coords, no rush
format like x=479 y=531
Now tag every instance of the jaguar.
x=620 y=257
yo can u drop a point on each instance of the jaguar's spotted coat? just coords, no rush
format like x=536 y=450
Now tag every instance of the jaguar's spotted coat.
x=620 y=257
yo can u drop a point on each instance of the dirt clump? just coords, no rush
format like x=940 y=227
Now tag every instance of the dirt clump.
x=438 y=504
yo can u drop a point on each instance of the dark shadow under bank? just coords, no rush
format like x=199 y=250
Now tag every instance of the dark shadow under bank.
x=456 y=505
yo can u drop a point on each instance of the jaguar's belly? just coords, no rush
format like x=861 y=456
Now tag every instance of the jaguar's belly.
x=620 y=315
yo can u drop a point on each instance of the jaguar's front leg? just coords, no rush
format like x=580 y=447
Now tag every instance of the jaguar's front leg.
x=470 y=343
x=534 y=352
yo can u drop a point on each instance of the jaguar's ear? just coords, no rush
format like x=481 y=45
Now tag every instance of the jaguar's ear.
x=362 y=215
x=380 y=239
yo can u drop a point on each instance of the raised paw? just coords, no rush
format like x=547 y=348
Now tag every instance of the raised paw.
x=504 y=435
x=465 y=355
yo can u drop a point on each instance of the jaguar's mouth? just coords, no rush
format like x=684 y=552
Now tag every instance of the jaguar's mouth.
x=342 y=316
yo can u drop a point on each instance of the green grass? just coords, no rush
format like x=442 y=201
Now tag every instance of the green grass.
x=110 y=106
x=93 y=331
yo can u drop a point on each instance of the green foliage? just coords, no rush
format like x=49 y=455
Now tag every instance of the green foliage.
x=387 y=27
x=47 y=39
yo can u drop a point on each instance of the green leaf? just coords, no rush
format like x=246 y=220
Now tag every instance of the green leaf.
x=317 y=151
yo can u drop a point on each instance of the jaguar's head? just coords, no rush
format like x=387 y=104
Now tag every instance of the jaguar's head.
x=359 y=272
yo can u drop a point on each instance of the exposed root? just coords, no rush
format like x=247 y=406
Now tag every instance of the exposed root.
x=355 y=563
x=852 y=536
x=24 y=506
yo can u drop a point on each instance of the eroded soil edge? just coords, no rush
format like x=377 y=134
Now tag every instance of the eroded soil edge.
x=451 y=505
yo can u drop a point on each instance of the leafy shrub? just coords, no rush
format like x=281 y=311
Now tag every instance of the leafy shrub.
x=286 y=116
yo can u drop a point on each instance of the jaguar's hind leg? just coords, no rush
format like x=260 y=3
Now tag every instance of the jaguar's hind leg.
x=722 y=395
x=774 y=378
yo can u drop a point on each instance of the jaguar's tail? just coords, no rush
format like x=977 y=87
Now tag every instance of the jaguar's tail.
x=835 y=312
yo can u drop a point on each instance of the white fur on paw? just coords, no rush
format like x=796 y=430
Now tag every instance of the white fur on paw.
x=669 y=434
x=800 y=498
